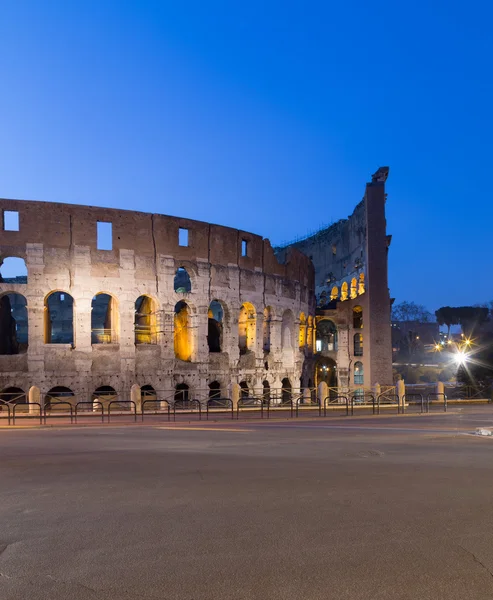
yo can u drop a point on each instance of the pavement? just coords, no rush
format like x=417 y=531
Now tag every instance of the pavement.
x=368 y=507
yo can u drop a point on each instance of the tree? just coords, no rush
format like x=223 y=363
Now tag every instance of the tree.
x=410 y=311
x=468 y=317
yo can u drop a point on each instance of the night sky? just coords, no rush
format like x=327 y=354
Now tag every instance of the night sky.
x=266 y=116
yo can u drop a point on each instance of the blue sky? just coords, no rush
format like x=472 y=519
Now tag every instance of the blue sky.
x=267 y=116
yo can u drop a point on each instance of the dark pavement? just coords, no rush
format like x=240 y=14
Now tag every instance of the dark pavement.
x=347 y=508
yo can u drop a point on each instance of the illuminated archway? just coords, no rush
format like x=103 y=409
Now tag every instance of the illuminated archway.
x=358 y=344
x=59 y=393
x=145 y=320
x=183 y=332
x=354 y=288
x=326 y=371
x=302 y=331
x=247 y=324
x=361 y=284
x=334 y=293
x=344 y=291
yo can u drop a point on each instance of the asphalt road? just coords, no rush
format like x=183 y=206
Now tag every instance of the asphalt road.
x=361 y=508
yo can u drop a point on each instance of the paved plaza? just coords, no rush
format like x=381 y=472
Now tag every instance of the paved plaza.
x=396 y=507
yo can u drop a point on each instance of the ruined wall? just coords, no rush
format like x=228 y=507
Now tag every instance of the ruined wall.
x=355 y=250
x=59 y=245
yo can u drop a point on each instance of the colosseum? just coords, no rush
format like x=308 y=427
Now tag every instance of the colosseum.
x=98 y=303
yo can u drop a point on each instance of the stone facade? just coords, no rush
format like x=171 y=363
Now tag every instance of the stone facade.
x=67 y=273
x=351 y=284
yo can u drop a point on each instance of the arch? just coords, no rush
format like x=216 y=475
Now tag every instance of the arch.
x=267 y=328
x=59 y=318
x=13 y=324
x=334 y=293
x=357 y=317
x=286 y=391
x=244 y=390
x=287 y=329
x=104 y=394
x=344 y=291
x=309 y=333
x=215 y=315
x=145 y=320
x=182 y=392
x=265 y=390
x=59 y=393
x=359 y=374
x=13 y=395
x=326 y=336
x=358 y=344
x=354 y=288
x=247 y=325
x=302 y=331
x=13 y=269
x=183 y=332
x=326 y=371
x=361 y=284
x=148 y=393
x=104 y=319
x=182 y=283
x=214 y=390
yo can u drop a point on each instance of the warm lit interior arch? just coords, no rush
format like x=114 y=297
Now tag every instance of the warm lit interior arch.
x=183 y=332
x=354 y=288
x=247 y=324
x=344 y=291
x=145 y=320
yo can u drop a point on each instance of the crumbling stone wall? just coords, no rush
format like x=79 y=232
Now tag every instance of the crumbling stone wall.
x=59 y=245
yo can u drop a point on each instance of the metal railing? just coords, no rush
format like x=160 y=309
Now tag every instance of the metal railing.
x=409 y=399
x=188 y=406
x=91 y=412
x=337 y=401
x=361 y=400
x=50 y=410
x=436 y=396
x=388 y=400
x=220 y=406
x=129 y=403
x=23 y=404
x=157 y=411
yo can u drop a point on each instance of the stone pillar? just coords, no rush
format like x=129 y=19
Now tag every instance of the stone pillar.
x=235 y=394
x=400 y=390
x=323 y=392
x=440 y=390
x=307 y=397
x=34 y=395
x=136 y=396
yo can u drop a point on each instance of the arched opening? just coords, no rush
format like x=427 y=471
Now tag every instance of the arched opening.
x=344 y=291
x=357 y=317
x=247 y=323
x=181 y=395
x=13 y=395
x=59 y=393
x=214 y=390
x=147 y=392
x=286 y=391
x=244 y=391
x=302 y=333
x=287 y=330
x=104 y=319
x=361 y=284
x=104 y=394
x=215 y=316
x=309 y=334
x=334 y=294
x=266 y=328
x=13 y=270
x=354 y=288
x=265 y=390
x=182 y=283
x=325 y=370
x=326 y=337
x=145 y=320
x=183 y=332
x=59 y=318
x=359 y=375
x=358 y=344
x=13 y=324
